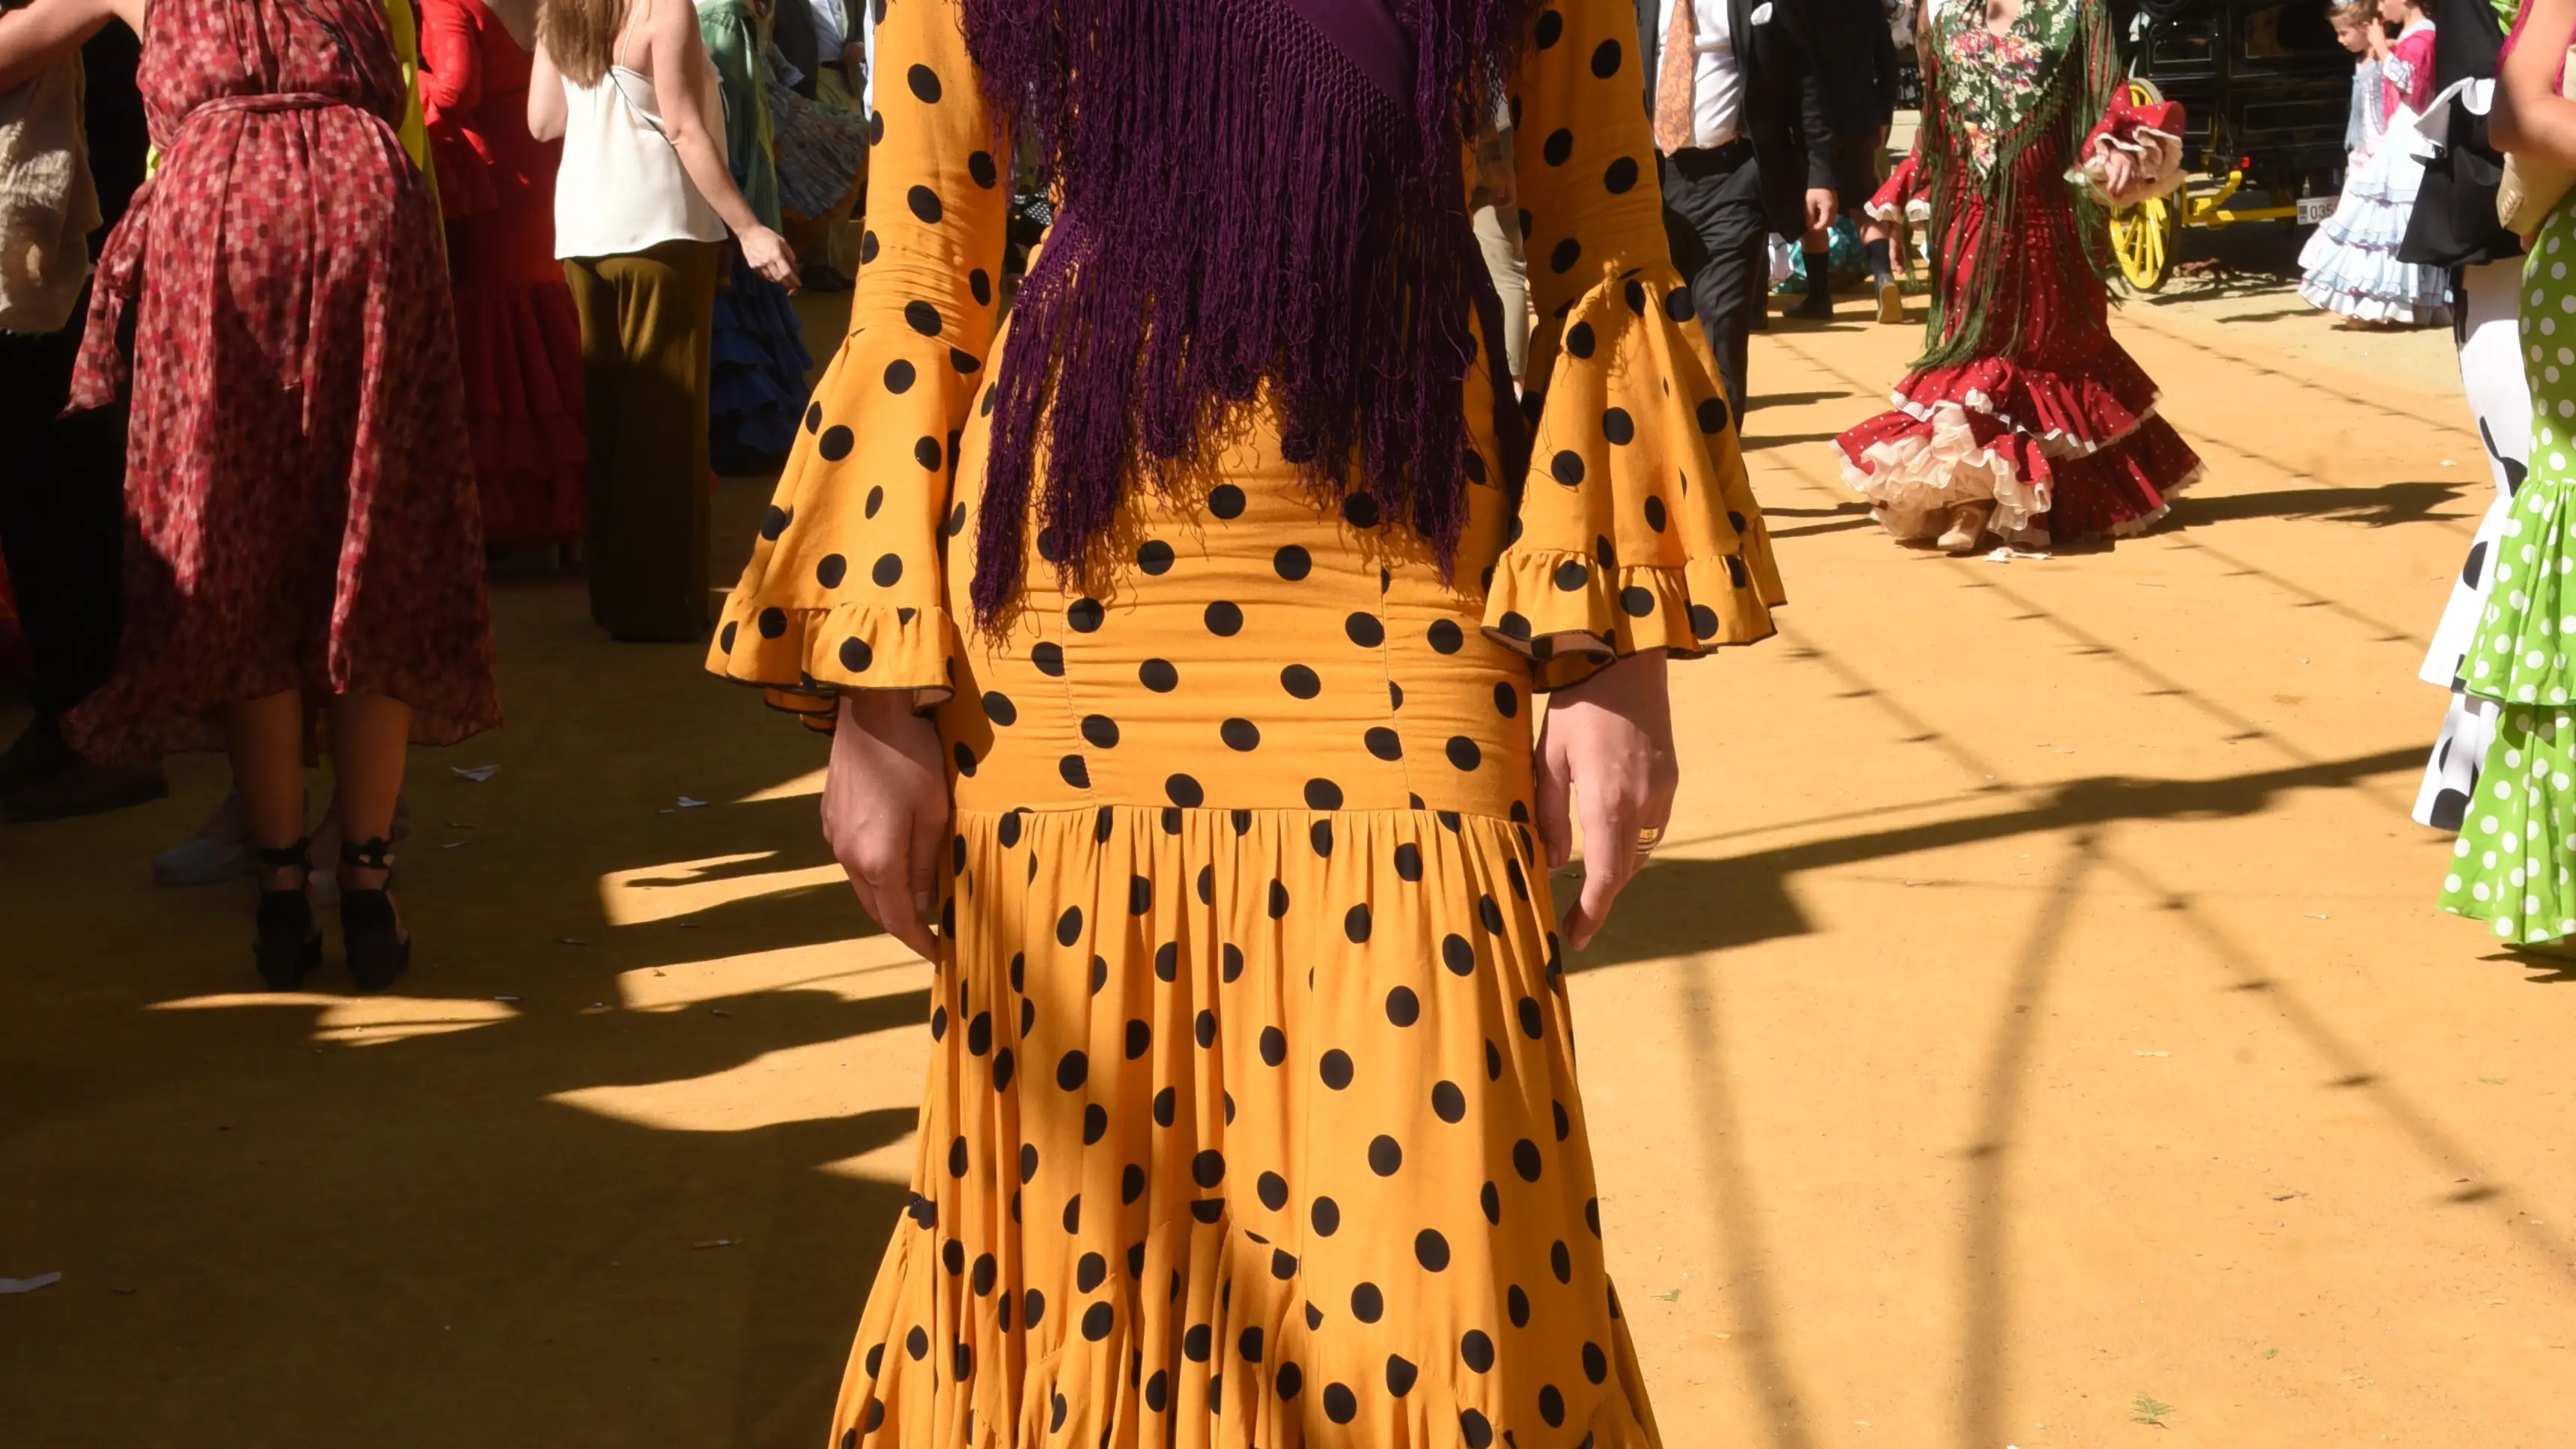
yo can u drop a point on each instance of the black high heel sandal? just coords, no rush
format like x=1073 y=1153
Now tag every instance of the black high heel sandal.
x=288 y=944
x=372 y=934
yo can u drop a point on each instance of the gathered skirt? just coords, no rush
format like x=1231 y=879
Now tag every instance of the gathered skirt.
x=2349 y=265
x=1252 y=1105
x=2514 y=864
x=2059 y=432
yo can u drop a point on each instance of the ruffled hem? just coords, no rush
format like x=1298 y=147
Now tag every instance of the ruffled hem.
x=2510 y=866
x=1915 y=470
x=2063 y=414
x=2370 y=286
x=1071 y=1378
x=805 y=658
x=2362 y=305
x=757 y=390
x=2356 y=272
x=519 y=348
x=2379 y=229
x=2520 y=654
x=1913 y=478
x=1569 y=616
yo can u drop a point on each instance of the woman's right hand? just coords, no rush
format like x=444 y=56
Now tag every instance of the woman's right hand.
x=769 y=255
x=1605 y=752
x=885 y=811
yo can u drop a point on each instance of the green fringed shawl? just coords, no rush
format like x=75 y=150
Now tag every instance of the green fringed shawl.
x=2074 y=96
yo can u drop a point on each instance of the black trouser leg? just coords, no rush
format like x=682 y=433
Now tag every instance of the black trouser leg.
x=1713 y=217
x=62 y=519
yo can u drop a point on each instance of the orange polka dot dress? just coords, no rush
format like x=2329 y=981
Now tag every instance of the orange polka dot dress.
x=1252 y=1116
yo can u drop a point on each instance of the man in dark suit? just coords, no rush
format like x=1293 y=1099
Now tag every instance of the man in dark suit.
x=1740 y=119
x=1855 y=56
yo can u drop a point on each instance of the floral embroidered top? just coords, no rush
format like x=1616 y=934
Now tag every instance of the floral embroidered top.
x=2406 y=77
x=1993 y=81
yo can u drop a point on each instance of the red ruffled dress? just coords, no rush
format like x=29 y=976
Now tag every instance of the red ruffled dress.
x=517 y=335
x=2024 y=399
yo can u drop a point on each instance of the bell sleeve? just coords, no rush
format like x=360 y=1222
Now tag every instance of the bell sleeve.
x=1636 y=528
x=844 y=589
x=2149 y=135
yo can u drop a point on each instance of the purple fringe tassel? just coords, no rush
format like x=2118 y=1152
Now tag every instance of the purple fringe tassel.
x=1240 y=212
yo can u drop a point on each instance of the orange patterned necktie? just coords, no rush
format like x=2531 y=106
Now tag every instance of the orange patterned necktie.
x=1674 y=103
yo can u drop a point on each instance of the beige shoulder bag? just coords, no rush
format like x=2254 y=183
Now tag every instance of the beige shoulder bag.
x=2532 y=188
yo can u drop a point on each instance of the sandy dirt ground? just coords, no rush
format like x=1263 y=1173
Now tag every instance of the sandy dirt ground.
x=2036 y=1031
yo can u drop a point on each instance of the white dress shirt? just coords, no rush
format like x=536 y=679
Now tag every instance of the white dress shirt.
x=1717 y=89
x=831 y=30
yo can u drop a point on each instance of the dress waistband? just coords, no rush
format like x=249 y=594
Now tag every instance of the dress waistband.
x=267 y=101
x=102 y=369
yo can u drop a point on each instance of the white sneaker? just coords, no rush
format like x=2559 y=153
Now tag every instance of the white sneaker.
x=220 y=850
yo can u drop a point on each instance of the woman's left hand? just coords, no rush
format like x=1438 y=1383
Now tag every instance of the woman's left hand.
x=2119 y=176
x=1606 y=751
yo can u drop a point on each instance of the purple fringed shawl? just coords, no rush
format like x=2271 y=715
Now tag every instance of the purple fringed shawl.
x=1242 y=203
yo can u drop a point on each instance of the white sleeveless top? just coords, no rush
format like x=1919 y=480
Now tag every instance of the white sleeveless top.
x=621 y=188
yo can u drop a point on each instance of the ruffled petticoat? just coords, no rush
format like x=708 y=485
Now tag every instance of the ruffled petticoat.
x=822 y=152
x=2351 y=260
x=2061 y=457
x=519 y=344
x=757 y=390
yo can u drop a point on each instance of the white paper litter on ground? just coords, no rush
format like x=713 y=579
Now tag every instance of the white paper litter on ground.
x=2008 y=553
x=29 y=1285
x=476 y=773
x=687 y=803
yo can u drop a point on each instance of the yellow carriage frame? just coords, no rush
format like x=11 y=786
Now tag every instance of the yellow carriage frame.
x=2142 y=236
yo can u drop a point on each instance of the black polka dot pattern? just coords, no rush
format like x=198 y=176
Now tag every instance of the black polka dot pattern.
x=1242 y=856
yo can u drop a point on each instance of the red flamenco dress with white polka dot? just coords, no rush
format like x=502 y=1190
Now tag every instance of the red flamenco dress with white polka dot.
x=2025 y=414
x=1252 y=1116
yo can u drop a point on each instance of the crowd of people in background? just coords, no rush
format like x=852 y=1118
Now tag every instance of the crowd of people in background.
x=625 y=196
x=403 y=295
x=2351 y=261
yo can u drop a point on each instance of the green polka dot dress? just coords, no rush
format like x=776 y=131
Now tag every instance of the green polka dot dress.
x=2514 y=863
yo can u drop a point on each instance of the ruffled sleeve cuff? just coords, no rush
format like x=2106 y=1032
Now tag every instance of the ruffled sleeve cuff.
x=2150 y=135
x=804 y=659
x=1570 y=616
x=1895 y=200
x=1638 y=530
x=844 y=587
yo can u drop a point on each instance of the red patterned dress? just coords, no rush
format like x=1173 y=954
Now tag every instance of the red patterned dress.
x=297 y=473
x=518 y=338
x=2024 y=399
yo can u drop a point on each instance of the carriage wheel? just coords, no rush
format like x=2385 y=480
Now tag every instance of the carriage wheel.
x=2142 y=235
x=2142 y=241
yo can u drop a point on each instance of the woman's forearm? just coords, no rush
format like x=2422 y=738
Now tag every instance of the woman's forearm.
x=35 y=36
x=714 y=180
x=2529 y=117
x=546 y=104
x=681 y=77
